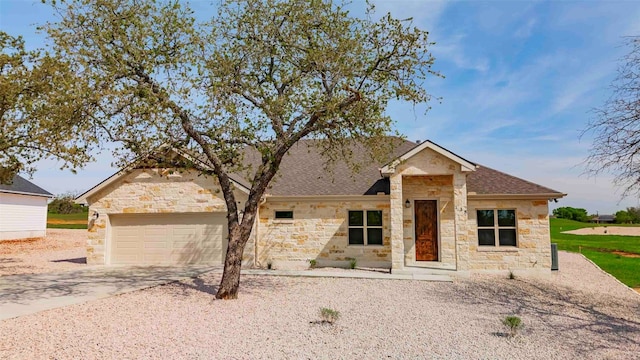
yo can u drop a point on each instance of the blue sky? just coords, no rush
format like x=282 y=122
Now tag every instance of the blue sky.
x=521 y=78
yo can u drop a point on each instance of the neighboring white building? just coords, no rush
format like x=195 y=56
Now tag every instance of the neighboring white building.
x=23 y=210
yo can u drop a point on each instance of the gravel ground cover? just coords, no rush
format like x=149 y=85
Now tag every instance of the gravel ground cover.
x=61 y=249
x=579 y=313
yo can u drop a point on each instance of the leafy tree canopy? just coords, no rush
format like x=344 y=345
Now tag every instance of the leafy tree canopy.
x=256 y=74
x=65 y=204
x=38 y=113
x=567 y=212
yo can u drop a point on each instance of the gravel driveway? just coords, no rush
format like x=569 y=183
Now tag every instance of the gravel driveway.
x=61 y=249
x=580 y=313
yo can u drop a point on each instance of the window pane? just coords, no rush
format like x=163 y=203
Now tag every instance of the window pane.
x=506 y=218
x=356 y=218
x=485 y=217
x=374 y=236
x=486 y=237
x=374 y=218
x=356 y=236
x=284 y=214
x=507 y=237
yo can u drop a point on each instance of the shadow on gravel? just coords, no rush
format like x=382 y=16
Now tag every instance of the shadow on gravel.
x=611 y=322
x=81 y=260
x=24 y=289
x=9 y=260
x=210 y=286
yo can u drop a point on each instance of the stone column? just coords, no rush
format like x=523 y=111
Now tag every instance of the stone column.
x=396 y=211
x=461 y=220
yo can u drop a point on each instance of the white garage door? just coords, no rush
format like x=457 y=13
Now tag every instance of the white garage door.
x=168 y=239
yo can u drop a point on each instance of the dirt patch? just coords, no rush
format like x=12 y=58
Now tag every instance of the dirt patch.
x=61 y=221
x=606 y=230
x=626 y=254
x=61 y=249
x=56 y=239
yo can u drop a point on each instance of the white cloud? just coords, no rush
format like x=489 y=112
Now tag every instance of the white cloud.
x=573 y=88
x=526 y=29
x=426 y=14
x=451 y=48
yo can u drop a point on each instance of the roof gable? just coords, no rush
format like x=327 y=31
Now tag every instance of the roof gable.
x=134 y=165
x=20 y=185
x=465 y=165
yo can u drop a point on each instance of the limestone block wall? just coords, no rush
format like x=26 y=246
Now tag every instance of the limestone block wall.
x=319 y=230
x=427 y=162
x=533 y=250
x=428 y=175
x=148 y=191
x=436 y=187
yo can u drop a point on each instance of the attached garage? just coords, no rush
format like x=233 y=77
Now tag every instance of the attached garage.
x=168 y=239
x=158 y=217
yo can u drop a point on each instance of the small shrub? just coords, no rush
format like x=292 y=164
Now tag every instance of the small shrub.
x=328 y=315
x=313 y=263
x=511 y=275
x=269 y=265
x=513 y=323
x=352 y=263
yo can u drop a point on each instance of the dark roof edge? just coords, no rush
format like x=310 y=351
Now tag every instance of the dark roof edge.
x=47 y=194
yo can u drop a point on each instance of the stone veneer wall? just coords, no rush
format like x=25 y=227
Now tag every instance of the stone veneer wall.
x=534 y=245
x=436 y=187
x=319 y=230
x=149 y=191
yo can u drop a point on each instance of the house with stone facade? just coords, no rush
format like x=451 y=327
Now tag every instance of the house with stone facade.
x=428 y=209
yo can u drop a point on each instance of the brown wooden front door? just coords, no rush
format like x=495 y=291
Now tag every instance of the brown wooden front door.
x=426 y=212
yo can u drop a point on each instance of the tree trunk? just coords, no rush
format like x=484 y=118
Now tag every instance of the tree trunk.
x=232 y=265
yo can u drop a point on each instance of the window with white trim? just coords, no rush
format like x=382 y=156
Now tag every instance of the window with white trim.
x=497 y=224
x=365 y=227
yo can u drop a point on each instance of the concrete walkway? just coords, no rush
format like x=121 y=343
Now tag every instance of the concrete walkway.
x=353 y=274
x=30 y=293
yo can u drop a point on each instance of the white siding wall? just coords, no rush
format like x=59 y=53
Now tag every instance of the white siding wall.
x=22 y=216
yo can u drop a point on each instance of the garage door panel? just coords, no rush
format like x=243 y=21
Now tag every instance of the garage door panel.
x=195 y=256
x=150 y=245
x=168 y=239
x=127 y=259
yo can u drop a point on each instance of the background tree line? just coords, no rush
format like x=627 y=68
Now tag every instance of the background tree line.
x=629 y=216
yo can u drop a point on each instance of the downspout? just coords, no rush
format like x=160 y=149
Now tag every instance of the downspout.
x=256 y=239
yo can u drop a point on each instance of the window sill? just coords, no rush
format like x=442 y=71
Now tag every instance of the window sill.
x=364 y=246
x=283 y=221
x=487 y=248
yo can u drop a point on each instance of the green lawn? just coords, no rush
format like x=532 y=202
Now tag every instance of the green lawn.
x=598 y=248
x=67 y=221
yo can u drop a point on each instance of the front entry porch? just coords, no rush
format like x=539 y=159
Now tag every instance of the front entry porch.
x=432 y=213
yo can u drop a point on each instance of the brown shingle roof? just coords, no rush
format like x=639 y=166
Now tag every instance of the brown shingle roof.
x=485 y=181
x=303 y=173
